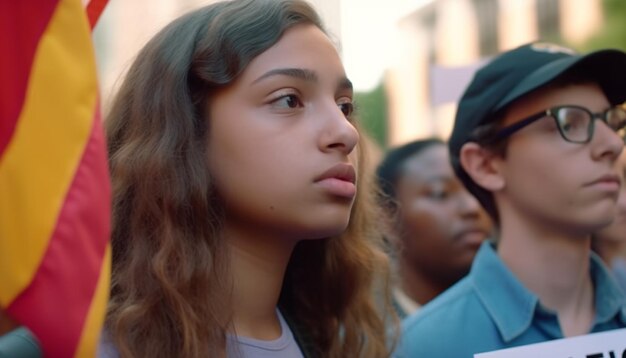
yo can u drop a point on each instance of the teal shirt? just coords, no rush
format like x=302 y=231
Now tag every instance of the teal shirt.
x=490 y=309
x=19 y=343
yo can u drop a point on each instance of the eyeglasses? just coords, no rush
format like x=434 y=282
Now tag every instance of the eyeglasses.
x=576 y=124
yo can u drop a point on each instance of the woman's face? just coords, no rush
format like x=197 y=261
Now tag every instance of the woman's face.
x=281 y=146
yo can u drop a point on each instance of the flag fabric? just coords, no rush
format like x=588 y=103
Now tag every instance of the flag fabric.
x=54 y=181
x=94 y=10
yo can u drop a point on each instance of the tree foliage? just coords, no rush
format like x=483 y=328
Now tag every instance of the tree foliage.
x=372 y=113
x=613 y=31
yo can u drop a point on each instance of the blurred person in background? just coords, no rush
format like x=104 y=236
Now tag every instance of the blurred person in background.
x=438 y=225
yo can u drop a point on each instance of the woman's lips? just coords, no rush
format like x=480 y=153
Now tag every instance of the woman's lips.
x=339 y=180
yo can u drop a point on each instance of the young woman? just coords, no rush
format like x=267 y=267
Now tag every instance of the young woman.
x=238 y=227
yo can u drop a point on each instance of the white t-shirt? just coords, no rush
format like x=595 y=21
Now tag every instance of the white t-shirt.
x=284 y=346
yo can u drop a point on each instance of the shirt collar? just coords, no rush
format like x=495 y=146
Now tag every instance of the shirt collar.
x=404 y=302
x=512 y=306
x=609 y=297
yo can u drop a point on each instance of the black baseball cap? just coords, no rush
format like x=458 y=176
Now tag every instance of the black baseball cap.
x=517 y=72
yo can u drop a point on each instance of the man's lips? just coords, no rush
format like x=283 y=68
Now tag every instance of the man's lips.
x=606 y=181
x=472 y=235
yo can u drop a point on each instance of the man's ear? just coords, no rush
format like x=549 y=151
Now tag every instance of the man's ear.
x=482 y=166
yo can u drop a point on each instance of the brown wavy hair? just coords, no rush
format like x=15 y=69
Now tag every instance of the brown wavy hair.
x=170 y=281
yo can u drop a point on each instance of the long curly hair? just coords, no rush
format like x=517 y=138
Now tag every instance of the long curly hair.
x=171 y=282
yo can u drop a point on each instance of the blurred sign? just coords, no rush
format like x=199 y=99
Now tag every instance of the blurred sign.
x=447 y=84
x=611 y=344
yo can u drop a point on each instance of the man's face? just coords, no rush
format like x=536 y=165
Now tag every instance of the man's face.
x=553 y=183
x=616 y=232
x=441 y=225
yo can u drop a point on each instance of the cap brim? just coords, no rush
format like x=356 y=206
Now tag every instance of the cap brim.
x=608 y=66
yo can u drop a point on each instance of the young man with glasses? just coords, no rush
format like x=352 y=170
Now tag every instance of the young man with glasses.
x=536 y=140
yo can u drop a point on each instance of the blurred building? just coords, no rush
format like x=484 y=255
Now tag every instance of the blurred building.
x=428 y=49
x=444 y=41
x=125 y=26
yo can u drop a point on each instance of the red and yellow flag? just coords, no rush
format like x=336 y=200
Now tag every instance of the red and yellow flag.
x=54 y=181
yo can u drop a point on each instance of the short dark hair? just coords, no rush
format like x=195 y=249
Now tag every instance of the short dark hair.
x=390 y=168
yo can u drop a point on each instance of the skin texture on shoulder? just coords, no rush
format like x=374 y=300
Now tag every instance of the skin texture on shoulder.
x=238 y=186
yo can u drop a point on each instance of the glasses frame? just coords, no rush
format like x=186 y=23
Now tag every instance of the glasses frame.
x=552 y=112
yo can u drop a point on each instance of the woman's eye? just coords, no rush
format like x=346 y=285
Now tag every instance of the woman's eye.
x=346 y=109
x=287 y=101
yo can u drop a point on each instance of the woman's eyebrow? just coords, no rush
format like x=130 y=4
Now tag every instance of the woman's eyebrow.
x=299 y=73
x=302 y=74
x=345 y=84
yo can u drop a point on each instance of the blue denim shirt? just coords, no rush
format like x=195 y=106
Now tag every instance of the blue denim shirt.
x=490 y=309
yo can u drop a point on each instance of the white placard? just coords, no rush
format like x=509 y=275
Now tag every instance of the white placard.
x=610 y=344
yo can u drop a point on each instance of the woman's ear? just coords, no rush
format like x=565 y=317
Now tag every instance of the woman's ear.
x=482 y=166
